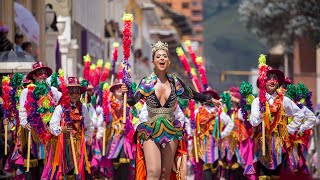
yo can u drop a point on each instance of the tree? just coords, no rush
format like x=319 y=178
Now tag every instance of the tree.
x=282 y=20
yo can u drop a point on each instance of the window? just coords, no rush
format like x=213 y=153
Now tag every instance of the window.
x=185 y=5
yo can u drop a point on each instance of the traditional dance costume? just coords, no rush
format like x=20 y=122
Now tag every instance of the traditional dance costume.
x=278 y=108
x=213 y=125
x=61 y=161
x=34 y=110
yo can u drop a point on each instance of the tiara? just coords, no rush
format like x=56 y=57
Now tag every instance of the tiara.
x=159 y=46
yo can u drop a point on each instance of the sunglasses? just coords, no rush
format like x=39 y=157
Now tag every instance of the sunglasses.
x=41 y=72
x=74 y=90
x=272 y=76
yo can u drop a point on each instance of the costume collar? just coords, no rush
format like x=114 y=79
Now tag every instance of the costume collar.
x=269 y=96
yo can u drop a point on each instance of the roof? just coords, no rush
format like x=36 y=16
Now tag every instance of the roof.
x=180 y=21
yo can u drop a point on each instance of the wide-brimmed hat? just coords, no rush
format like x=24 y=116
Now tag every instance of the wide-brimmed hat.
x=212 y=92
x=287 y=80
x=35 y=67
x=277 y=72
x=235 y=94
x=116 y=83
x=74 y=82
x=26 y=81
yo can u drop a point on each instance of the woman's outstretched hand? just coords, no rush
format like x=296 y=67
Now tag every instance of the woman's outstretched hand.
x=124 y=88
x=216 y=102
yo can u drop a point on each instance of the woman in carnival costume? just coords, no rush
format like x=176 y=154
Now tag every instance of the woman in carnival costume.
x=277 y=109
x=296 y=157
x=179 y=115
x=212 y=126
x=159 y=136
x=37 y=103
x=73 y=129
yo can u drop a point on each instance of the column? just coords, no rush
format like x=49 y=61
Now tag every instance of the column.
x=39 y=10
x=318 y=73
x=73 y=58
x=50 y=46
x=7 y=16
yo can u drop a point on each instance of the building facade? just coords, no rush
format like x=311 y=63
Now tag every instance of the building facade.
x=193 y=10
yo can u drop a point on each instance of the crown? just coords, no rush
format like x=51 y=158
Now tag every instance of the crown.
x=159 y=46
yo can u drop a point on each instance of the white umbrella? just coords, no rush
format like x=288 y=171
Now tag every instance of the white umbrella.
x=26 y=22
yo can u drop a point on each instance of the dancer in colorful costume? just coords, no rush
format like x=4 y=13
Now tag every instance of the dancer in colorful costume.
x=118 y=144
x=159 y=136
x=37 y=103
x=73 y=127
x=212 y=126
x=296 y=156
x=11 y=94
x=101 y=166
x=246 y=144
x=232 y=165
x=274 y=113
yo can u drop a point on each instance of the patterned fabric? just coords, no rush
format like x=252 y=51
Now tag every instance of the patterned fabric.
x=161 y=131
x=238 y=135
x=162 y=128
x=115 y=146
x=61 y=154
x=147 y=86
x=141 y=172
x=277 y=136
x=209 y=144
x=100 y=164
x=239 y=131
